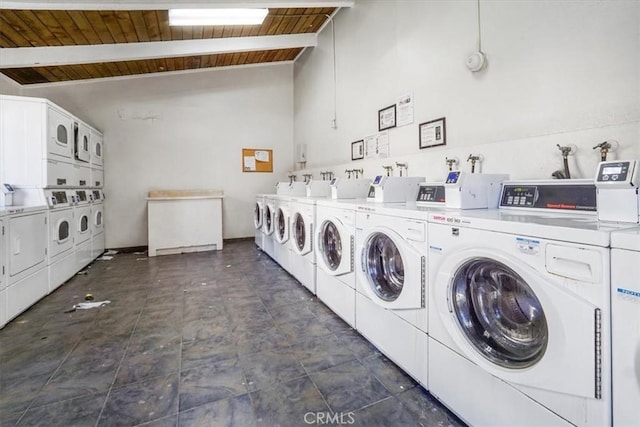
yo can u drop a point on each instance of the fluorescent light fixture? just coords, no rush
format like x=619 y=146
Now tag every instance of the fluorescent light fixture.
x=217 y=16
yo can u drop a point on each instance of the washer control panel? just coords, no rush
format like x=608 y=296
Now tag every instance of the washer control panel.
x=619 y=174
x=431 y=193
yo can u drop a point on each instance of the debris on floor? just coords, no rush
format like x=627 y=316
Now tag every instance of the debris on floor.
x=105 y=258
x=88 y=305
x=110 y=252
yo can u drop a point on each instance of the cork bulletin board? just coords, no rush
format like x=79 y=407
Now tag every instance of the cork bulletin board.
x=257 y=160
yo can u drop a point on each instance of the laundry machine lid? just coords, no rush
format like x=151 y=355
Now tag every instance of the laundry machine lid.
x=499 y=313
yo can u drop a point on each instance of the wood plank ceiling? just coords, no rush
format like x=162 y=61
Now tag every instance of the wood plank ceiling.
x=40 y=28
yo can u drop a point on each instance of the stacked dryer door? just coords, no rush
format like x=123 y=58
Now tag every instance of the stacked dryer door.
x=281 y=249
x=97 y=223
x=62 y=265
x=258 y=219
x=519 y=319
x=391 y=248
x=268 y=224
x=303 y=255
x=26 y=259
x=82 y=229
x=335 y=237
x=625 y=325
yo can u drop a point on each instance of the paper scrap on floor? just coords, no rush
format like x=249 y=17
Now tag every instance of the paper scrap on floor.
x=88 y=305
x=105 y=258
x=111 y=252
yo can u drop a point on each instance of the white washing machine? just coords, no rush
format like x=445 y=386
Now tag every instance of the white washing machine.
x=281 y=246
x=391 y=247
x=258 y=215
x=62 y=259
x=303 y=254
x=625 y=325
x=82 y=231
x=96 y=197
x=335 y=260
x=26 y=243
x=519 y=310
x=268 y=224
x=618 y=184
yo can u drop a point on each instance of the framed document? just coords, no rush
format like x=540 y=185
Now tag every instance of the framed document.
x=357 y=150
x=387 y=118
x=432 y=133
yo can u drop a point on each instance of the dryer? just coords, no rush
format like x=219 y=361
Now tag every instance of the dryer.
x=96 y=198
x=62 y=261
x=3 y=270
x=281 y=249
x=519 y=309
x=27 y=277
x=82 y=229
x=258 y=216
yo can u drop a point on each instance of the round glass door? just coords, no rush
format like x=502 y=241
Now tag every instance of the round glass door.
x=499 y=313
x=63 y=231
x=257 y=218
x=282 y=224
x=84 y=223
x=267 y=218
x=384 y=267
x=300 y=233
x=331 y=245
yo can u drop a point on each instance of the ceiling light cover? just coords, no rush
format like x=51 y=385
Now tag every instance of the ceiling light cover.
x=217 y=16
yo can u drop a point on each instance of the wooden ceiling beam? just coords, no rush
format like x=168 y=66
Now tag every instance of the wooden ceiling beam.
x=167 y=4
x=87 y=54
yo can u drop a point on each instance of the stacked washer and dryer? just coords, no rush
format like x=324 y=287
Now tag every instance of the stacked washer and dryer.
x=55 y=163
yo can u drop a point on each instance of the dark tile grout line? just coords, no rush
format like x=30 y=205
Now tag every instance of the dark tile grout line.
x=115 y=375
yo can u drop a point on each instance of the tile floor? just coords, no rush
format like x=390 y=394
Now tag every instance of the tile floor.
x=208 y=339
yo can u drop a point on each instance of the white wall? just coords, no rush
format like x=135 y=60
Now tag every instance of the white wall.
x=184 y=131
x=8 y=86
x=559 y=72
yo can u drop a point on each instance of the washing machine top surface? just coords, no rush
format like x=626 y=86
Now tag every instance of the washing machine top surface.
x=17 y=209
x=584 y=229
x=626 y=239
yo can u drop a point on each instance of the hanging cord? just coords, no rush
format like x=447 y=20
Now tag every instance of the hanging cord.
x=334 y=120
x=479 y=29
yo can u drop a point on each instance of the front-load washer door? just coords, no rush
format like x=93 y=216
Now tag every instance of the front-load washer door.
x=268 y=220
x=61 y=232
x=302 y=230
x=519 y=325
x=282 y=226
x=257 y=216
x=336 y=247
x=96 y=213
x=394 y=272
x=83 y=226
